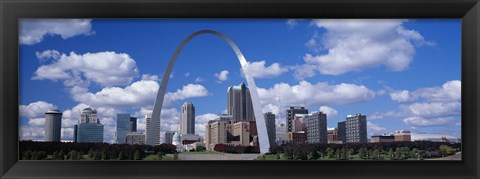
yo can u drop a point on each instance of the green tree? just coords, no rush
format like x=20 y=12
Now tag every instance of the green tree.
x=120 y=156
x=390 y=154
x=362 y=153
x=398 y=154
x=136 y=156
x=200 y=148
x=105 y=155
x=446 y=150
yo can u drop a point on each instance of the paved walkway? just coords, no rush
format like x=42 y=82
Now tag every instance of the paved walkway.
x=457 y=156
x=217 y=156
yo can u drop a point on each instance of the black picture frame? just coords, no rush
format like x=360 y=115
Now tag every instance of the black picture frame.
x=467 y=10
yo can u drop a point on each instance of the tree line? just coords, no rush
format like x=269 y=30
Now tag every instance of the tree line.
x=366 y=151
x=32 y=150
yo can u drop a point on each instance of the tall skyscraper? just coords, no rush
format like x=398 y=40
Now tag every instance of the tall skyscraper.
x=169 y=137
x=187 y=119
x=342 y=132
x=53 y=125
x=239 y=103
x=133 y=120
x=89 y=128
x=316 y=125
x=148 y=121
x=291 y=115
x=356 y=128
x=271 y=128
x=124 y=126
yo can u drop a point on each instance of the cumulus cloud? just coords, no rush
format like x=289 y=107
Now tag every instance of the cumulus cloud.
x=199 y=79
x=423 y=122
x=450 y=91
x=331 y=112
x=222 y=76
x=201 y=121
x=259 y=70
x=33 y=31
x=187 y=91
x=316 y=94
x=148 y=77
x=104 y=68
x=359 y=44
x=137 y=94
x=291 y=23
x=36 y=109
x=430 y=106
x=375 y=129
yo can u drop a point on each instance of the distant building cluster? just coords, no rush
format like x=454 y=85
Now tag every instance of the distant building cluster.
x=237 y=127
x=397 y=136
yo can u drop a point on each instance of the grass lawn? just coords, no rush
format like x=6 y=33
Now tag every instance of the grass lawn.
x=201 y=152
x=155 y=157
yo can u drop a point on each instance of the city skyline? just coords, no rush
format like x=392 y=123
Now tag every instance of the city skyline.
x=418 y=90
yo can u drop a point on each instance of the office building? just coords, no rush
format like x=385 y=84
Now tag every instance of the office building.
x=135 y=138
x=239 y=103
x=291 y=116
x=316 y=128
x=402 y=135
x=332 y=136
x=356 y=128
x=342 y=132
x=216 y=132
x=382 y=138
x=148 y=121
x=240 y=133
x=89 y=128
x=271 y=128
x=124 y=126
x=299 y=123
x=53 y=125
x=133 y=120
x=297 y=137
x=187 y=118
x=169 y=137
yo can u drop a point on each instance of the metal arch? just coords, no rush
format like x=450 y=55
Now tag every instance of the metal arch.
x=153 y=130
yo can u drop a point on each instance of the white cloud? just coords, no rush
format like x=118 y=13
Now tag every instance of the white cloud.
x=450 y=91
x=187 y=74
x=259 y=70
x=222 y=76
x=33 y=31
x=199 y=79
x=201 y=121
x=426 y=136
x=375 y=129
x=36 y=109
x=359 y=44
x=315 y=94
x=432 y=110
x=304 y=71
x=422 y=122
x=291 y=23
x=401 y=96
x=187 y=91
x=148 y=77
x=48 y=54
x=104 y=68
x=137 y=94
x=331 y=112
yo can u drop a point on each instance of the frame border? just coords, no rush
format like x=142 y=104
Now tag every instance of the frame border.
x=467 y=10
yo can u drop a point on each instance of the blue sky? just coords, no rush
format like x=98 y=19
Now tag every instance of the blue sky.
x=403 y=74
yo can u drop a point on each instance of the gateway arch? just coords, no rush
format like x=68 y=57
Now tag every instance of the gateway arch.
x=153 y=129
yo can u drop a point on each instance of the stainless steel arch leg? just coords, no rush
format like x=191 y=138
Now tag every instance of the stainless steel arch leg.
x=153 y=130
